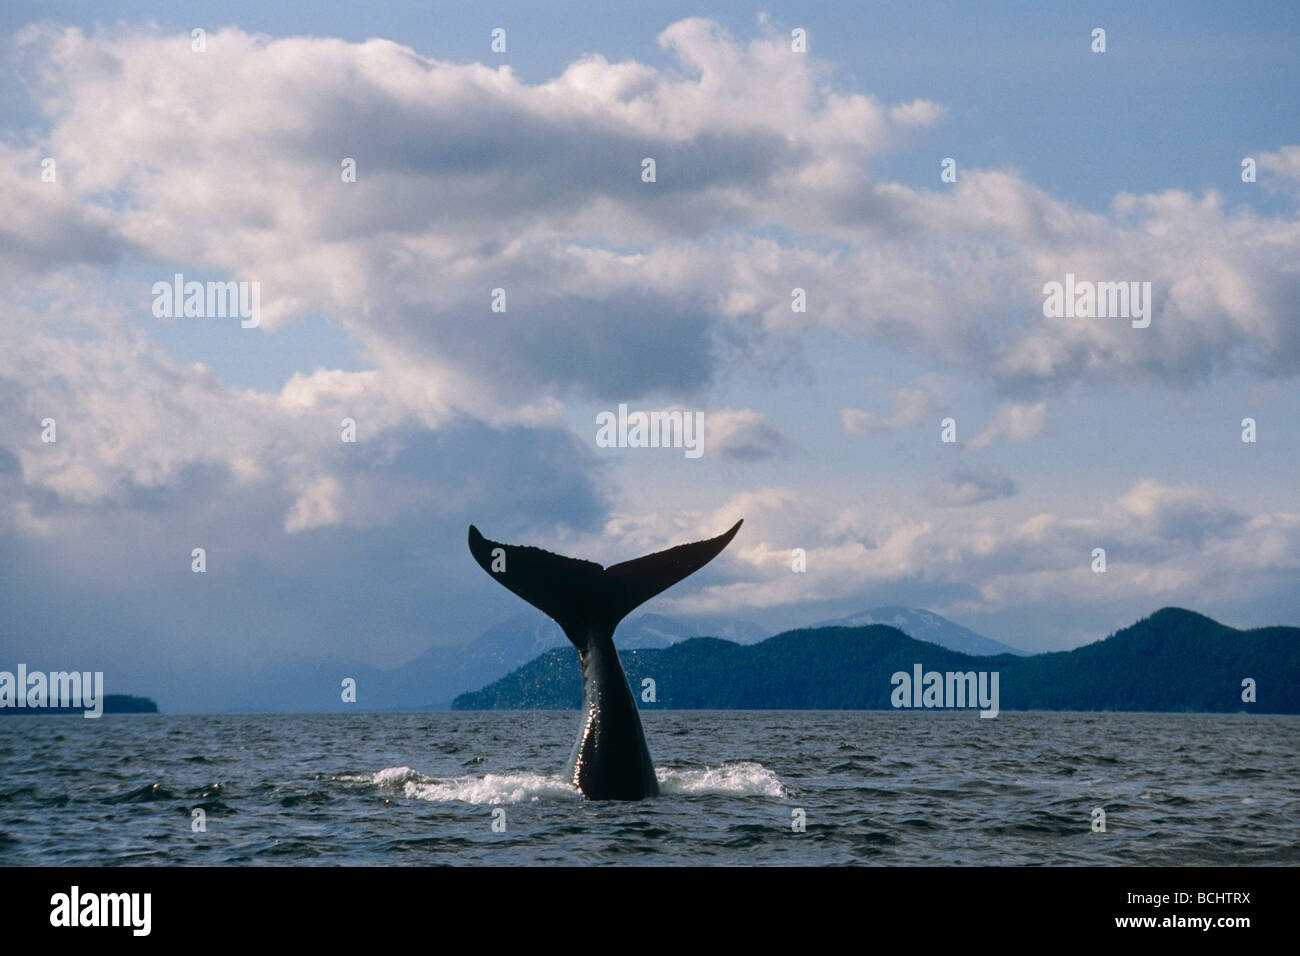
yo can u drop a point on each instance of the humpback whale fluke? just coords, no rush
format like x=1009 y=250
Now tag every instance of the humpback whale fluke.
x=610 y=760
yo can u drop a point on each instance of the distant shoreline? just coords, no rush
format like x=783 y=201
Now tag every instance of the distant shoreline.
x=113 y=704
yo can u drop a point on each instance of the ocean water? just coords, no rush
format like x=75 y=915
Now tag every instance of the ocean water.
x=874 y=788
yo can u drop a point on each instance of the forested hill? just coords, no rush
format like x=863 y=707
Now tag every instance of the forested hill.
x=113 y=704
x=1174 y=660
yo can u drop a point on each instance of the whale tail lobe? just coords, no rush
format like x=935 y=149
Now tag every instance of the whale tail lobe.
x=581 y=596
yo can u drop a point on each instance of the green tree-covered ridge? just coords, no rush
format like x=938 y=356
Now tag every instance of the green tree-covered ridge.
x=1174 y=660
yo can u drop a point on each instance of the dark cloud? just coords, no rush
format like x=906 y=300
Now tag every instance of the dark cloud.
x=966 y=487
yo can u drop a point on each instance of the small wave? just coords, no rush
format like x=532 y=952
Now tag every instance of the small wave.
x=354 y=778
x=744 y=778
x=149 y=793
x=310 y=798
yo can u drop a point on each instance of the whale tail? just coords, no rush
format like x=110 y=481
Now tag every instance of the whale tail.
x=582 y=596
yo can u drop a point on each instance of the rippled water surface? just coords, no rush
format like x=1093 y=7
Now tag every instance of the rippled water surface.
x=875 y=787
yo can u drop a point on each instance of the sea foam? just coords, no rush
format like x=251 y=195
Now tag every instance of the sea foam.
x=743 y=778
x=491 y=788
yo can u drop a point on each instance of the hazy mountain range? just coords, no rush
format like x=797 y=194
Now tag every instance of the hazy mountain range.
x=432 y=679
x=428 y=681
x=924 y=626
x=435 y=677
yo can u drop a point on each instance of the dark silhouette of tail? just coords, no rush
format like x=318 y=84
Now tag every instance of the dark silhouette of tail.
x=582 y=596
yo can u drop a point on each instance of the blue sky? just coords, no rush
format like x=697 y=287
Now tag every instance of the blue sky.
x=777 y=170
